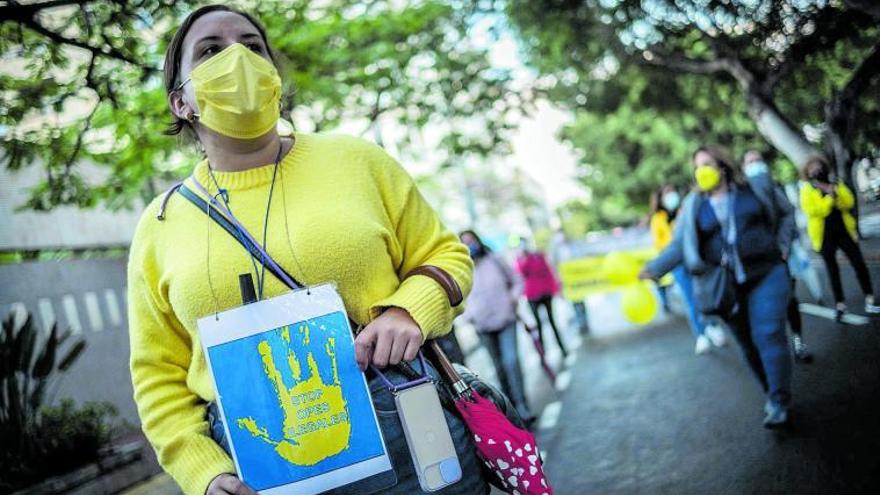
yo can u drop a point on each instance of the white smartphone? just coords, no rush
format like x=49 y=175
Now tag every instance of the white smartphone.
x=428 y=437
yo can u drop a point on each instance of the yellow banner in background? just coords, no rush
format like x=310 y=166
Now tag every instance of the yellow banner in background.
x=604 y=273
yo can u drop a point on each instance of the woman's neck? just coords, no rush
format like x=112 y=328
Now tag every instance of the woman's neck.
x=227 y=154
x=721 y=190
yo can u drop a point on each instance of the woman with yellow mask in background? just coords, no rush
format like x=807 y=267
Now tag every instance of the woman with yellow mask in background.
x=327 y=209
x=733 y=239
x=666 y=206
x=828 y=205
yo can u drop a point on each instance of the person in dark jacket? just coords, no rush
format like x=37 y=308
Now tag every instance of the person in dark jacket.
x=758 y=173
x=728 y=224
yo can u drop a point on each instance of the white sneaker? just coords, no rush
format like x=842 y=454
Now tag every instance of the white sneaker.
x=703 y=345
x=716 y=335
x=870 y=307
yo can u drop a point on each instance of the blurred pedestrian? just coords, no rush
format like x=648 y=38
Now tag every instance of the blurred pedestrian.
x=539 y=287
x=828 y=204
x=491 y=309
x=660 y=223
x=758 y=174
x=354 y=217
x=730 y=236
x=666 y=206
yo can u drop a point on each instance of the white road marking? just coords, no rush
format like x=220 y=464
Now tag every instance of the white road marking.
x=829 y=313
x=47 y=313
x=550 y=416
x=112 y=307
x=93 y=311
x=71 y=314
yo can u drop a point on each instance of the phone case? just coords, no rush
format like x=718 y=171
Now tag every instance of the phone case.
x=428 y=437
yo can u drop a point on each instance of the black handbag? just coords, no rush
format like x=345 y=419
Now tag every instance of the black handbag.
x=715 y=292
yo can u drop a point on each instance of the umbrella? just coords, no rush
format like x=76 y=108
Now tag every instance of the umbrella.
x=509 y=452
x=536 y=339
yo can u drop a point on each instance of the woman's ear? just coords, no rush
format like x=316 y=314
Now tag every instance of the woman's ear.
x=179 y=108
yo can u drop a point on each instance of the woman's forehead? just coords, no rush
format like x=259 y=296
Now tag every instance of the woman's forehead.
x=221 y=25
x=703 y=158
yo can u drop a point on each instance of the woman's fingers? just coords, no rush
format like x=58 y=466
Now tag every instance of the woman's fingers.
x=392 y=337
x=228 y=484
x=412 y=348
x=384 y=342
x=363 y=346
x=398 y=348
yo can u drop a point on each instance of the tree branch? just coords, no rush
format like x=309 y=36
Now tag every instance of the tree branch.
x=864 y=73
x=14 y=11
x=79 y=139
x=830 y=25
x=109 y=53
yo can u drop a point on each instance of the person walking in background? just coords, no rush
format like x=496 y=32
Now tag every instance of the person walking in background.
x=758 y=174
x=828 y=204
x=491 y=309
x=660 y=223
x=730 y=237
x=666 y=205
x=540 y=285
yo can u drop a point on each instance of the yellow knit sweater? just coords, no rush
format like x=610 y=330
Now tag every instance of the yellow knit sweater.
x=355 y=218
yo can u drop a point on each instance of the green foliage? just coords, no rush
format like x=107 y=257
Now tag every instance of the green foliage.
x=72 y=436
x=38 y=441
x=650 y=81
x=87 y=89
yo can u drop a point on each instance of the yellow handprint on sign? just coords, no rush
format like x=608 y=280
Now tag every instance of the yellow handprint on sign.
x=316 y=421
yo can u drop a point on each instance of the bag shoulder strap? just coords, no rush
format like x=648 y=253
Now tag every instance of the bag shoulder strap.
x=255 y=251
x=444 y=279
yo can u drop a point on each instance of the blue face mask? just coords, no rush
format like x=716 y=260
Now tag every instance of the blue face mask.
x=475 y=249
x=756 y=169
x=670 y=201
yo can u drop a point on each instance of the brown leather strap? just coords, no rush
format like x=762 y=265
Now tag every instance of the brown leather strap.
x=439 y=275
x=444 y=367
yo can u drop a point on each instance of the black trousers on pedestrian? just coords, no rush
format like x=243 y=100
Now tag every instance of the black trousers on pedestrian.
x=793 y=312
x=840 y=239
x=547 y=303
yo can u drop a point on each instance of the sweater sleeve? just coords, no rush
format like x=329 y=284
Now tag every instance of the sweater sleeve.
x=814 y=203
x=172 y=415
x=845 y=198
x=420 y=239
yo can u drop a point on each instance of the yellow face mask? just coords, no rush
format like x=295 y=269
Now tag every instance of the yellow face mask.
x=237 y=92
x=707 y=177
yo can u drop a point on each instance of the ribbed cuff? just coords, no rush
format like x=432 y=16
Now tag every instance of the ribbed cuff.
x=426 y=303
x=199 y=463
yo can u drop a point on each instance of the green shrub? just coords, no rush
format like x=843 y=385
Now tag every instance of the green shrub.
x=36 y=441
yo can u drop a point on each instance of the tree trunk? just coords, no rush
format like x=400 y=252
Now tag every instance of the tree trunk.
x=839 y=116
x=777 y=130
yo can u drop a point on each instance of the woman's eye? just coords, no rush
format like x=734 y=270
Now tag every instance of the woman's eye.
x=208 y=51
x=255 y=47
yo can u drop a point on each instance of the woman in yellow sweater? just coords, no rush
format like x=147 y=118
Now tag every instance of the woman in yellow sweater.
x=343 y=211
x=828 y=204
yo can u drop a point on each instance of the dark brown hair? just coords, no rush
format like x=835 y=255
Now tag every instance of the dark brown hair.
x=483 y=245
x=731 y=171
x=175 y=50
x=821 y=161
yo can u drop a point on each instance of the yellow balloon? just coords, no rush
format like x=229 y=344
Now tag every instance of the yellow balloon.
x=639 y=304
x=621 y=268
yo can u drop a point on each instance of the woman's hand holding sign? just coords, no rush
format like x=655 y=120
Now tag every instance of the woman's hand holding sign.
x=389 y=339
x=228 y=484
